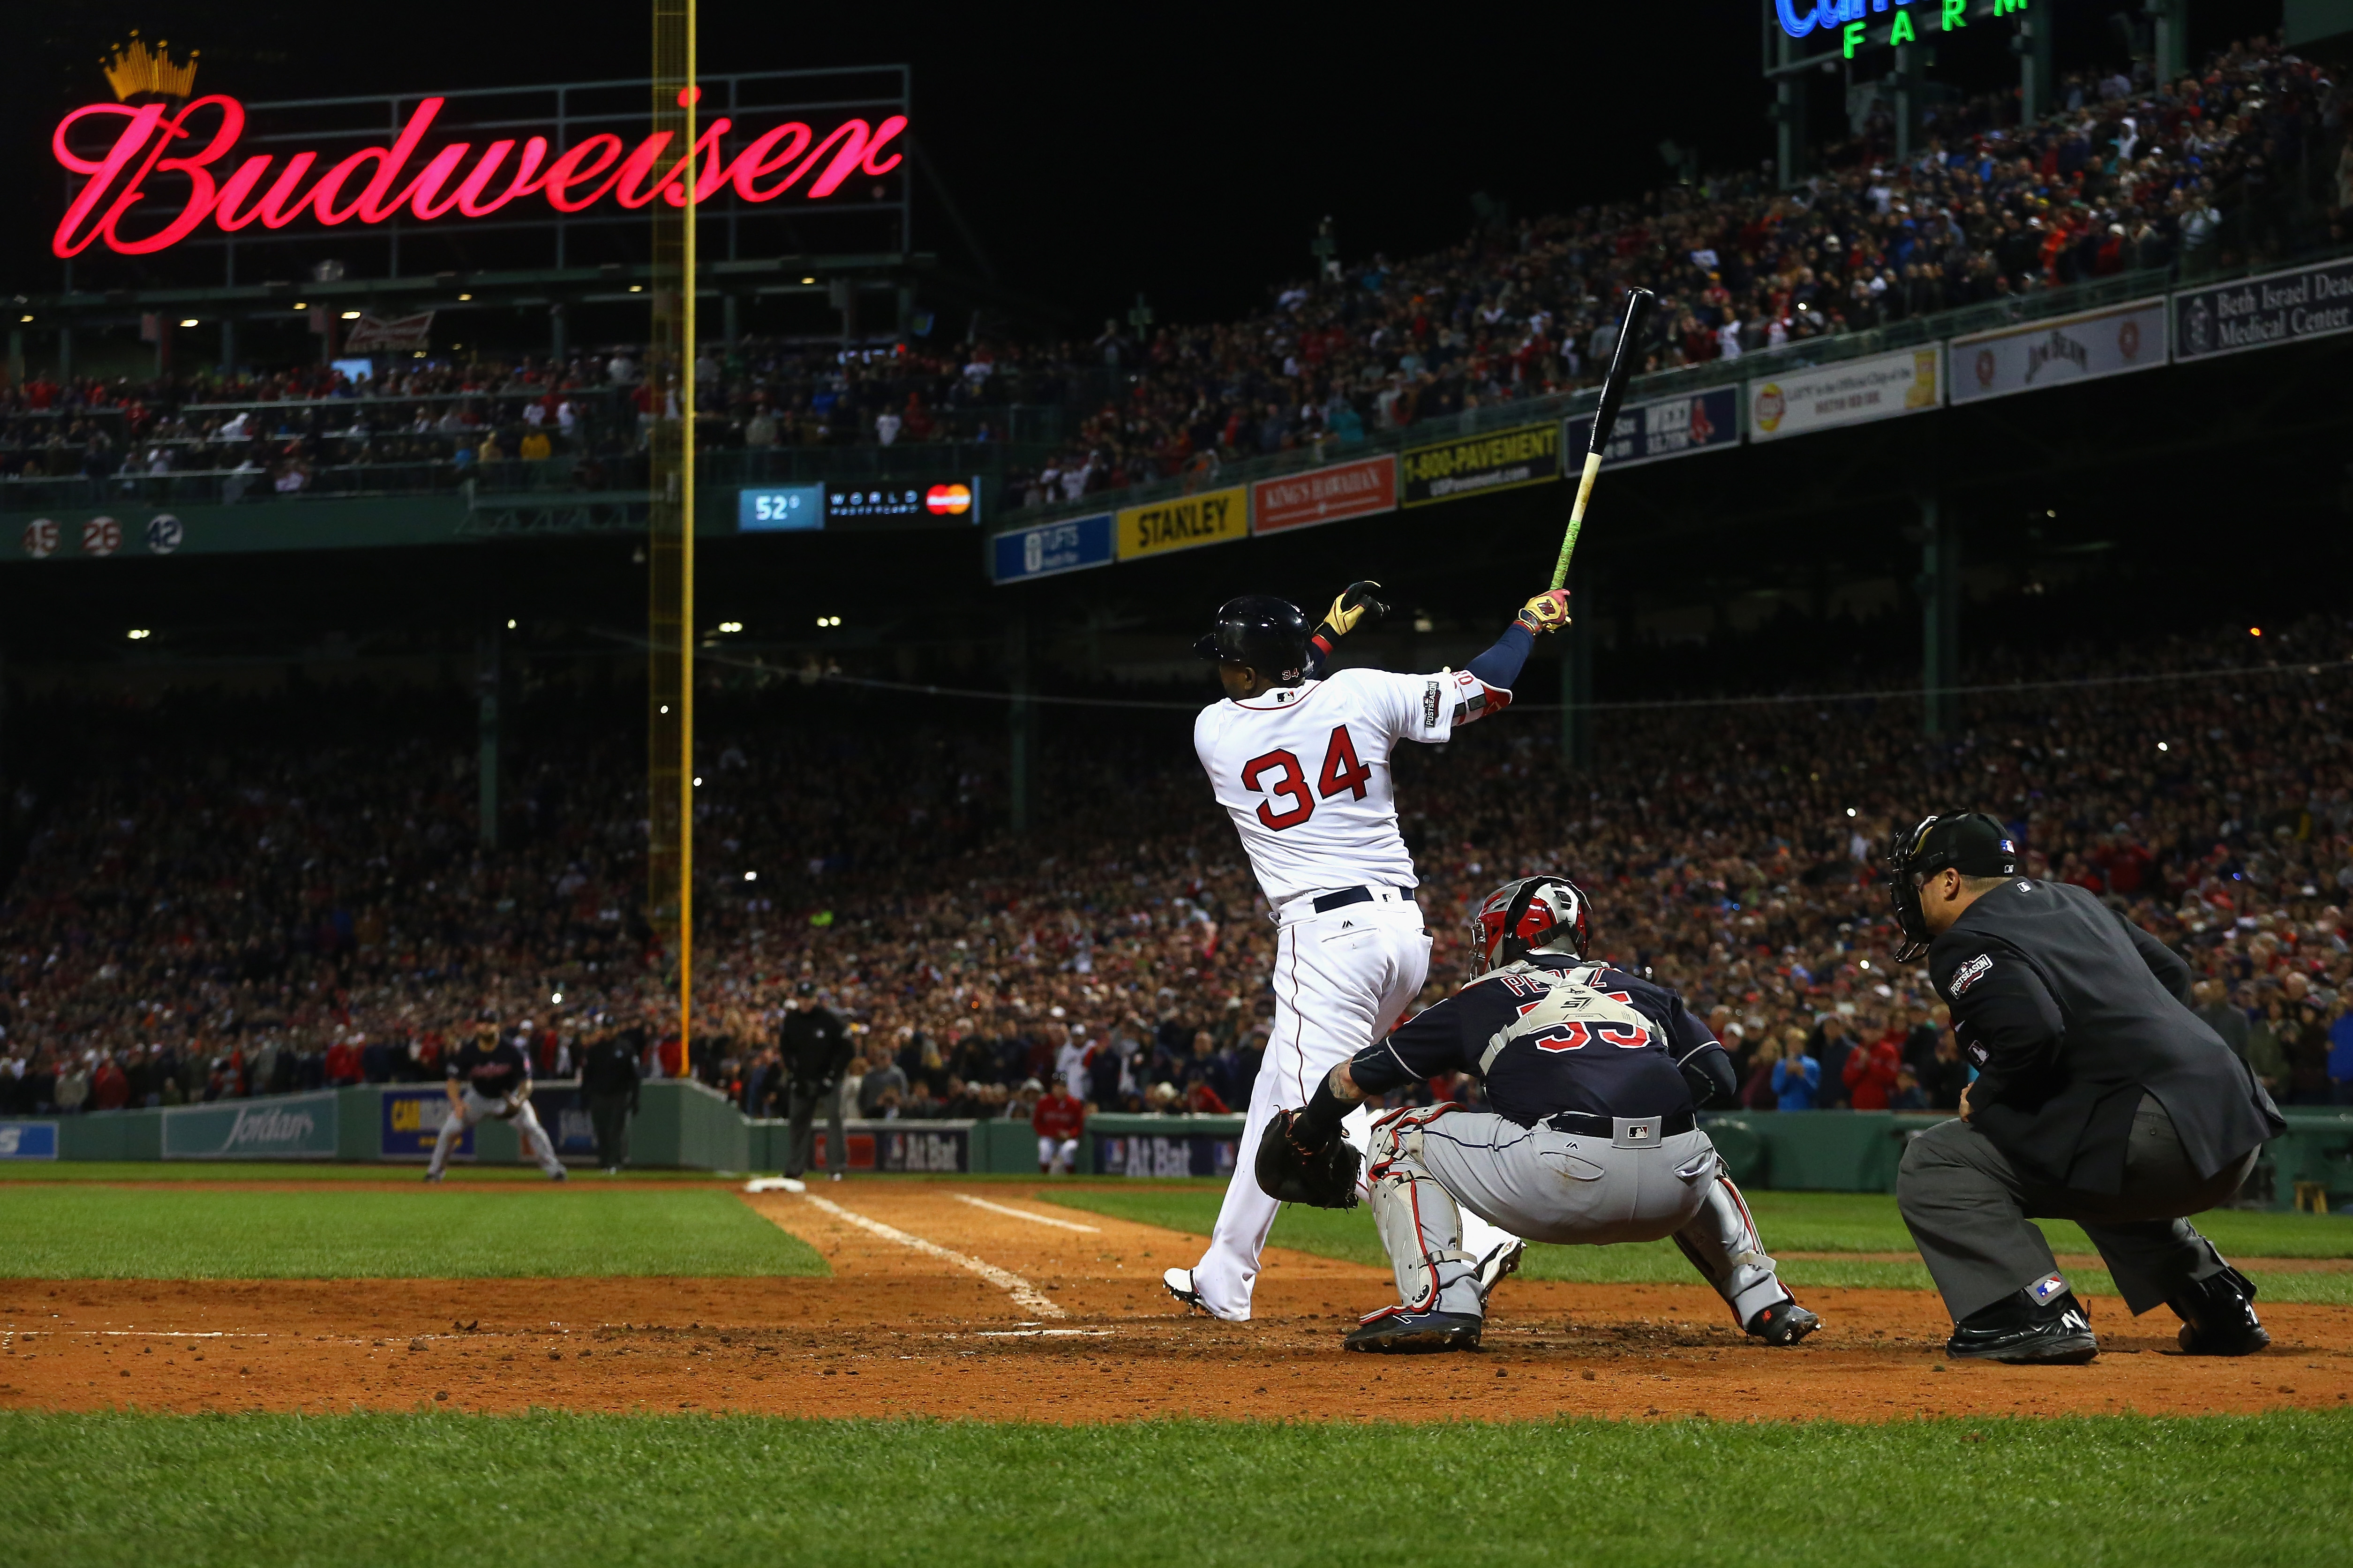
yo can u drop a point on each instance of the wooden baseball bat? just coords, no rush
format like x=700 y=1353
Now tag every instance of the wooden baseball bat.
x=1604 y=419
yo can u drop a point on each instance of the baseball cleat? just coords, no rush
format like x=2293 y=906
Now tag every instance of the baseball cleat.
x=1393 y=1331
x=1501 y=1262
x=1783 y=1324
x=2020 y=1332
x=559 y=1176
x=2218 y=1316
x=432 y=1176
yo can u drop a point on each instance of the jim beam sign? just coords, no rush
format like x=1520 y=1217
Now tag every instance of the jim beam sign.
x=2055 y=352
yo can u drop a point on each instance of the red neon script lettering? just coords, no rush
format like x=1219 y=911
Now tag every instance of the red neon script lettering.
x=571 y=180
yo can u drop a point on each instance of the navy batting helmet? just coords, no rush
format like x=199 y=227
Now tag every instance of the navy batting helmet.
x=1268 y=634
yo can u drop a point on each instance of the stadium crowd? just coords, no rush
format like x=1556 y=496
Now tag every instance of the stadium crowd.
x=2245 y=160
x=225 y=918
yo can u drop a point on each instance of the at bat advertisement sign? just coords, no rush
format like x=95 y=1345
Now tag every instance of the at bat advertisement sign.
x=1503 y=460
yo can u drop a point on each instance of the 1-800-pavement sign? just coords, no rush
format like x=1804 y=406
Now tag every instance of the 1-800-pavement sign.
x=2315 y=301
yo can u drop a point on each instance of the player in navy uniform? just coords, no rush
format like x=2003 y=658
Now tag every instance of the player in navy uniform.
x=491 y=1078
x=1593 y=1075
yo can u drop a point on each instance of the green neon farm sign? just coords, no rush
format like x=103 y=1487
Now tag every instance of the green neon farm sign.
x=1854 y=20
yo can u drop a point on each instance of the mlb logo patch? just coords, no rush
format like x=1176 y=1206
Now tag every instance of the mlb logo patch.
x=2047 y=1287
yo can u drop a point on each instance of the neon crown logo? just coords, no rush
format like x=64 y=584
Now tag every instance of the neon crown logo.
x=135 y=68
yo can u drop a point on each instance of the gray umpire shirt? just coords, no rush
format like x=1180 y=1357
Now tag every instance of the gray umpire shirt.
x=2070 y=1013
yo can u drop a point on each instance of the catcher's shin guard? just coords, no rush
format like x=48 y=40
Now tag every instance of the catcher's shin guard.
x=1721 y=1243
x=1419 y=1222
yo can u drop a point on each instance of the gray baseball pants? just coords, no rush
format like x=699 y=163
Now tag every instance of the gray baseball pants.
x=1967 y=1206
x=1547 y=1186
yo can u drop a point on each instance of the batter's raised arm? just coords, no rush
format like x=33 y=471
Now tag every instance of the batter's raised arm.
x=1356 y=606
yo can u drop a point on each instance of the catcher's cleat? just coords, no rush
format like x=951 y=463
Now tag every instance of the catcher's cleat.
x=2218 y=1316
x=1501 y=1262
x=1393 y=1331
x=1783 y=1324
x=2022 y=1332
x=432 y=1176
x=559 y=1176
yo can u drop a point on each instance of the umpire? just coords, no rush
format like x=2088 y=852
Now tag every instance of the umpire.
x=2100 y=1097
x=816 y=1049
x=608 y=1077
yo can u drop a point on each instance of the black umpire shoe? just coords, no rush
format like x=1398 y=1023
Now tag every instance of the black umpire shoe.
x=1393 y=1331
x=2024 y=1333
x=1783 y=1324
x=2218 y=1316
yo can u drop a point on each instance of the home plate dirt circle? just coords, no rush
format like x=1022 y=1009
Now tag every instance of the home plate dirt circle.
x=958 y=1300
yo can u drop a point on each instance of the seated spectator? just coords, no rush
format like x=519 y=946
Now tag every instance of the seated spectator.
x=1796 y=1075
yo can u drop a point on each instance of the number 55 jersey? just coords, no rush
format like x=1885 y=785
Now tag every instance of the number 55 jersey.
x=1553 y=1035
x=1304 y=772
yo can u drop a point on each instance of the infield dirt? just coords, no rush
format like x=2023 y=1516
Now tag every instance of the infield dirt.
x=1062 y=1324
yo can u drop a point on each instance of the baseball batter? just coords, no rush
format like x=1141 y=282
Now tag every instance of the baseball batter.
x=1594 y=1075
x=491 y=1078
x=1300 y=762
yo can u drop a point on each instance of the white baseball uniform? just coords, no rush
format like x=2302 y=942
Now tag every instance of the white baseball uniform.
x=1305 y=773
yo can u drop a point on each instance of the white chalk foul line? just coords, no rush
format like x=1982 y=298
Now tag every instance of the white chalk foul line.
x=1025 y=1295
x=1024 y=1214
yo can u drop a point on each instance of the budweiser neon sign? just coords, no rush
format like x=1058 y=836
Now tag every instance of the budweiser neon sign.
x=375 y=183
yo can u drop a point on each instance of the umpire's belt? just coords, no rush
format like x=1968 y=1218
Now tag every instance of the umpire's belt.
x=1624 y=1131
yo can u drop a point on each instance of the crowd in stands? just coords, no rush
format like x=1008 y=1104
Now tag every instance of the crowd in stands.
x=255 y=904
x=2245 y=160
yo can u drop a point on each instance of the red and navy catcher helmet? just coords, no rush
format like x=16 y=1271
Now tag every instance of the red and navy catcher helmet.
x=1544 y=913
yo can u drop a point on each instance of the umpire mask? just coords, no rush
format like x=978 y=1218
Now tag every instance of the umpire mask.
x=1971 y=843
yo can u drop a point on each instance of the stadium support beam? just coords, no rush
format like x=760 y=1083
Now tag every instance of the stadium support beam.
x=1940 y=616
x=1788 y=113
x=2169 y=27
x=1576 y=676
x=670 y=555
x=1021 y=723
x=2035 y=81
x=488 y=683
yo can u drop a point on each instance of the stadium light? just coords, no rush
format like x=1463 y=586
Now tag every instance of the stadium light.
x=555 y=998
x=351 y=315
x=665 y=707
x=464 y=297
x=511 y=622
x=1850 y=811
x=2254 y=631
x=637 y=288
x=731 y=625
x=751 y=876
x=300 y=306
x=189 y=322
x=698 y=781
x=24 y=318
x=141 y=635
x=2162 y=746
x=1866 y=963
x=808 y=280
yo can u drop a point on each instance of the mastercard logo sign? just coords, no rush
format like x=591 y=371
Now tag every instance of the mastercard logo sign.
x=948 y=500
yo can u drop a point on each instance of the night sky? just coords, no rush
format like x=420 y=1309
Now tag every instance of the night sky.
x=1188 y=153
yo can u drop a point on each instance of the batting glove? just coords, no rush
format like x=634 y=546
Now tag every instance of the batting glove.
x=1355 y=604
x=1545 y=612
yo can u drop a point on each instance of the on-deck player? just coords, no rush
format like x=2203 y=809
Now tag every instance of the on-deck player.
x=490 y=1077
x=1593 y=1073
x=1302 y=763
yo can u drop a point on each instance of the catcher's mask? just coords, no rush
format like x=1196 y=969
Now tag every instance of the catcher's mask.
x=1544 y=913
x=1971 y=843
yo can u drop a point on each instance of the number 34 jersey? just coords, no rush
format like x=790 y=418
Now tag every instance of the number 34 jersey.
x=1304 y=772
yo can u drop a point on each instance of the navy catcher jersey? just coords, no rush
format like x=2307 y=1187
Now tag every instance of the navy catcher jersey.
x=1548 y=1035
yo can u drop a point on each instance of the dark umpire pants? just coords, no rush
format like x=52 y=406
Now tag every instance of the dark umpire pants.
x=1967 y=1205
x=802 y=1102
x=608 y=1119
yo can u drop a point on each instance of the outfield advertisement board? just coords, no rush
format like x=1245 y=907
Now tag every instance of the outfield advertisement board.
x=1051 y=549
x=1361 y=488
x=410 y=1124
x=1668 y=427
x=1855 y=393
x=284 y=1127
x=2302 y=302
x=1184 y=522
x=2054 y=352
x=1502 y=460
x=940 y=1146
x=1158 y=1154
x=28 y=1139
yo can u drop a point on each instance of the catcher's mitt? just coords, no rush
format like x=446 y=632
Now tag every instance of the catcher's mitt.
x=1295 y=1166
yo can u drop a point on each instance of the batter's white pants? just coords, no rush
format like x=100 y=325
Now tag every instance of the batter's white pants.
x=1341 y=979
x=473 y=1108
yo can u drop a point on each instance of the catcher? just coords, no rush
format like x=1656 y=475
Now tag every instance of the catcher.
x=496 y=1082
x=1593 y=1074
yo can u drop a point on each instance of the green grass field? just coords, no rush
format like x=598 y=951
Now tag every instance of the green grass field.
x=446 y=1232
x=568 y=1489
x=1791 y=1222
